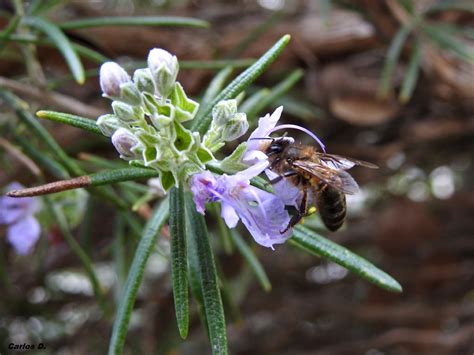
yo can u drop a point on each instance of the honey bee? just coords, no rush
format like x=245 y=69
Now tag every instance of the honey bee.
x=321 y=178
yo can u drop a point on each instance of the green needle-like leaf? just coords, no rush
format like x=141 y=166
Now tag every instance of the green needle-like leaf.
x=179 y=267
x=135 y=276
x=208 y=279
x=77 y=249
x=134 y=21
x=251 y=260
x=71 y=120
x=309 y=240
x=105 y=177
x=392 y=59
x=215 y=86
x=203 y=119
x=445 y=40
x=411 y=76
x=62 y=43
x=275 y=93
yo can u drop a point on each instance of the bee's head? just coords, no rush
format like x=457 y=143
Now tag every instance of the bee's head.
x=278 y=145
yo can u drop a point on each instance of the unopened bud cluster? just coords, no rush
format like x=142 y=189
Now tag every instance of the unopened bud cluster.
x=146 y=126
x=227 y=125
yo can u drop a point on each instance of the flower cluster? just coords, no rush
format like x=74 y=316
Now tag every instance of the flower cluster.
x=147 y=123
x=147 y=128
x=23 y=229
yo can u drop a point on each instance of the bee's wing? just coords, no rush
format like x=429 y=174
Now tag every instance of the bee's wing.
x=337 y=179
x=343 y=163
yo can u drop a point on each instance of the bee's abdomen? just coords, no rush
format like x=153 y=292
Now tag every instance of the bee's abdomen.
x=331 y=204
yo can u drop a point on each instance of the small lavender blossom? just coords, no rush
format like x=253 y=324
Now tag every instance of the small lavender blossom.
x=236 y=127
x=112 y=76
x=108 y=124
x=164 y=69
x=261 y=212
x=255 y=143
x=23 y=230
x=126 y=144
x=144 y=80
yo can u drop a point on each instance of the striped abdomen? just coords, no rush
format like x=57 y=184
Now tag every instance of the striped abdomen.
x=331 y=205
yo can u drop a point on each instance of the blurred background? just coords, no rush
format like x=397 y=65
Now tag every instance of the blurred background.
x=390 y=82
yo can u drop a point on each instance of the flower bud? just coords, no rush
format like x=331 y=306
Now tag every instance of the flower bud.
x=223 y=111
x=126 y=143
x=108 y=124
x=112 y=76
x=125 y=113
x=144 y=81
x=130 y=94
x=235 y=127
x=164 y=69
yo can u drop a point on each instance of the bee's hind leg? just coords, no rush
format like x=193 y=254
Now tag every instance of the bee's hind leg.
x=300 y=213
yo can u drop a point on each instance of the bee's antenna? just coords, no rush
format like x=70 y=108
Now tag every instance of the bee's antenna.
x=258 y=138
x=308 y=132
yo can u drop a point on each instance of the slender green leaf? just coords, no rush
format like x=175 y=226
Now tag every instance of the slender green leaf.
x=251 y=260
x=460 y=5
x=134 y=21
x=253 y=101
x=71 y=120
x=208 y=279
x=135 y=277
x=445 y=40
x=309 y=240
x=119 y=254
x=179 y=272
x=43 y=135
x=300 y=108
x=392 y=58
x=59 y=217
x=202 y=121
x=194 y=275
x=51 y=166
x=36 y=128
x=215 y=86
x=106 y=177
x=255 y=34
x=223 y=230
x=9 y=29
x=411 y=76
x=275 y=93
x=216 y=64
x=40 y=6
x=80 y=49
x=202 y=64
x=62 y=43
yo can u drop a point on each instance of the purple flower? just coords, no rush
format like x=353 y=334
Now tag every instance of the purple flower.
x=112 y=77
x=255 y=143
x=18 y=214
x=261 y=212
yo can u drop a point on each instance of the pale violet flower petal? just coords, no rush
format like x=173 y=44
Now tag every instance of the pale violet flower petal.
x=202 y=186
x=229 y=214
x=24 y=234
x=254 y=170
x=263 y=213
x=288 y=193
x=254 y=156
x=265 y=219
x=265 y=125
x=13 y=209
x=112 y=76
